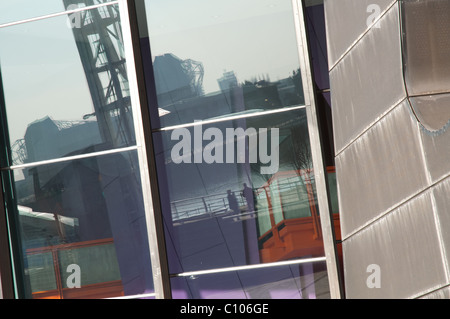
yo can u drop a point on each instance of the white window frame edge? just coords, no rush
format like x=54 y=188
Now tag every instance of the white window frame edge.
x=316 y=151
x=141 y=151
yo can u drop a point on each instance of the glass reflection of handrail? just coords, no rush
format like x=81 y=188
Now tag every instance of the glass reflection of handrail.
x=218 y=203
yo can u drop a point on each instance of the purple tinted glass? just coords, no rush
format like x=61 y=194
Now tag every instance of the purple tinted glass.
x=301 y=281
x=233 y=213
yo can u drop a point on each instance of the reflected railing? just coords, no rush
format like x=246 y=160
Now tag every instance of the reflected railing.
x=49 y=276
x=293 y=188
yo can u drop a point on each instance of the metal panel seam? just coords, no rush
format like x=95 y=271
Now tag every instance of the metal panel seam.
x=378 y=119
x=362 y=35
x=392 y=208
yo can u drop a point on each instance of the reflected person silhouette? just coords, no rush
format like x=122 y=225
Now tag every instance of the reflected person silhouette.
x=232 y=202
x=250 y=198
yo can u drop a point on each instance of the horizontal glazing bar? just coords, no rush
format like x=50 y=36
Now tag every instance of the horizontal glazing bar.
x=249 y=267
x=228 y=118
x=4 y=25
x=135 y=296
x=70 y=158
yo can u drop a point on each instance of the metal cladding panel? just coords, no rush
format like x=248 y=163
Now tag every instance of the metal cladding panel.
x=437 y=153
x=432 y=111
x=442 y=199
x=405 y=247
x=381 y=168
x=368 y=81
x=443 y=293
x=426 y=26
x=347 y=20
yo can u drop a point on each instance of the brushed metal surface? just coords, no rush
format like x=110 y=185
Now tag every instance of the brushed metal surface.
x=426 y=35
x=441 y=193
x=437 y=153
x=442 y=293
x=404 y=245
x=382 y=168
x=368 y=81
x=432 y=111
x=347 y=20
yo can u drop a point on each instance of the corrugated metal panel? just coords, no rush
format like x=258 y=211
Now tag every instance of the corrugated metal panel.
x=383 y=167
x=368 y=81
x=405 y=246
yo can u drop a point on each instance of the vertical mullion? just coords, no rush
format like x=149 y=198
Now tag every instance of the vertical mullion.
x=323 y=196
x=146 y=154
x=8 y=280
x=6 y=274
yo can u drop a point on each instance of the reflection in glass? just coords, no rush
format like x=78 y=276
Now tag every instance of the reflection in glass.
x=237 y=57
x=18 y=10
x=315 y=24
x=65 y=86
x=229 y=211
x=303 y=281
x=88 y=213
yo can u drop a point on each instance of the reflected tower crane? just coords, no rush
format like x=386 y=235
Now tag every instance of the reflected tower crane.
x=98 y=36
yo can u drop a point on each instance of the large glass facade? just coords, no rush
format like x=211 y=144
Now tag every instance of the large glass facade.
x=85 y=104
x=20 y=10
x=230 y=58
x=70 y=167
x=236 y=213
x=233 y=211
x=304 y=281
x=233 y=154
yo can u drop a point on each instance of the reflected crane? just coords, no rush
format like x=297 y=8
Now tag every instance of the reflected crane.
x=98 y=36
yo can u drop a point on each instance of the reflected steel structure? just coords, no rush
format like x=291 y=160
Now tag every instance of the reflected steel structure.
x=103 y=59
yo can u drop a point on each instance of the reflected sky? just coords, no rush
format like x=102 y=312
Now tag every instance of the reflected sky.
x=42 y=74
x=24 y=9
x=253 y=38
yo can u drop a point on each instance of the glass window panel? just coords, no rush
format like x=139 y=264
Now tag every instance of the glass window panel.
x=332 y=185
x=218 y=200
x=41 y=272
x=315 y=23
x=65 y=87
x=88 y=212
x=232 y=57
x=98 y=264
x=303 y=281
x=18 y=10
x=276 y=202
